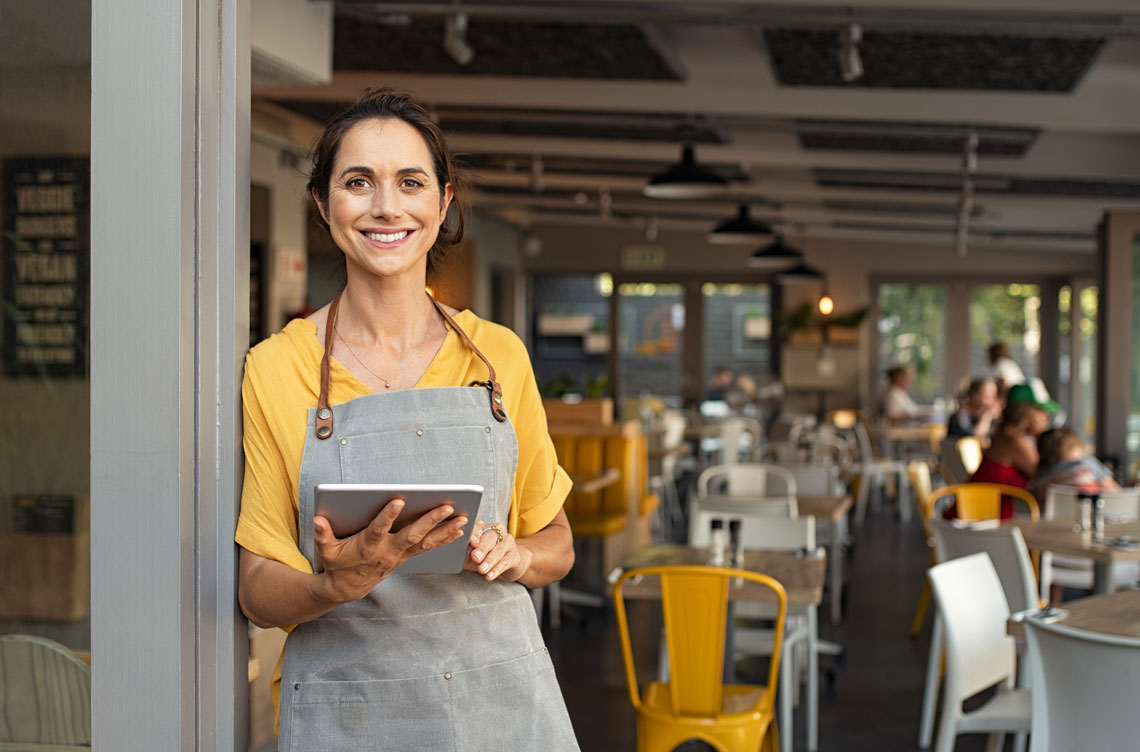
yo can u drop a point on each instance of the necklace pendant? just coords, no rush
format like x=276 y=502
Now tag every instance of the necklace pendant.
x=387 y=384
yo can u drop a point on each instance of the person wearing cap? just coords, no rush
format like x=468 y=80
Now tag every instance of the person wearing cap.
x=1006 y=371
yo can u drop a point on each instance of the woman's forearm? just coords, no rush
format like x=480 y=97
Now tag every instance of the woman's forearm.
x=272 y=594
x=551 y=551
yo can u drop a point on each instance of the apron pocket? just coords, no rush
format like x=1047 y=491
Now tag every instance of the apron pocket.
x=399 y=715
x=515 y=705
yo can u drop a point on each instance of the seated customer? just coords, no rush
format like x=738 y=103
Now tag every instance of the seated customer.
x=898 y=407
x=1011 y=458
x=979 y=413
x=1064 y=462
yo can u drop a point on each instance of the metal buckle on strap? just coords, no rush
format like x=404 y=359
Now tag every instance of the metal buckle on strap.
x=496 y=393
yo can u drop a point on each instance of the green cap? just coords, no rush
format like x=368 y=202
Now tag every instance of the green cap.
x=1032 y=392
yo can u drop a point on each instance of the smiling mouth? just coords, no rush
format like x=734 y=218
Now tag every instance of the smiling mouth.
x=384 y=237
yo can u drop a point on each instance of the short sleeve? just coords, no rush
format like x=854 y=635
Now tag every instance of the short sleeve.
x=541 y=486
x=267 y=525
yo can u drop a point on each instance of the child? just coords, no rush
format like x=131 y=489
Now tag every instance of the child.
x=1064 y=462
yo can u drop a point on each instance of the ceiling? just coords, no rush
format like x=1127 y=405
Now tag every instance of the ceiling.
x=566 y=109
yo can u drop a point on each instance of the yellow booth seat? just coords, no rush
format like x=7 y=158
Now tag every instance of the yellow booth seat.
x=619 y=509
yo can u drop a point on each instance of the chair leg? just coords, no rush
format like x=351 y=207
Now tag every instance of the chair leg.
x=930 y=692
x=787 y=691
x=555 y=592
x=771 y=738
x=920 y=610
x=862 y=484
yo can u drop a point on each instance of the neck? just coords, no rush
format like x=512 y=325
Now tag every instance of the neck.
x=400 y=316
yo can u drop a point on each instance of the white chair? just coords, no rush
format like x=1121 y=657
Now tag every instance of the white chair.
x=743 y=479
x=1061 y=503
x=823 y=480
x=1086 y=695
x=1010 y=558
x=45 y=696
x=868 y=467
x=979 y=653
x=776 y=534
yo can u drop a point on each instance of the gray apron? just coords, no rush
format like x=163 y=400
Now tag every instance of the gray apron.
x=423 y=662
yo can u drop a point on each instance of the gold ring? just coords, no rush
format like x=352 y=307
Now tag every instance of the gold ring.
x=498 y=532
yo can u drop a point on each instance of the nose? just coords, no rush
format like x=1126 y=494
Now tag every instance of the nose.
x=386 y=202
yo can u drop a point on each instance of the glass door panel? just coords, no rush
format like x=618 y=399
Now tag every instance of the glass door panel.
x=652 y=320
x=912 y=329
x=1007 y=314
x=737 y=334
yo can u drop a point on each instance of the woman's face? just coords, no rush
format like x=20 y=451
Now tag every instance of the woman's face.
x=385 y=206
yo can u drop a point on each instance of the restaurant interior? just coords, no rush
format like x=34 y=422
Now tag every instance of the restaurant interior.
x=785 y=271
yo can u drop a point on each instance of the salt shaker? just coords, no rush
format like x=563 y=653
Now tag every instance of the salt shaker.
x=1084 y=512
x=717 y=542
x=1097 y=518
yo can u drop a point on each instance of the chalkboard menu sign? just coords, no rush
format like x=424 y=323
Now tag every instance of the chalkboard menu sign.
x=46 y=266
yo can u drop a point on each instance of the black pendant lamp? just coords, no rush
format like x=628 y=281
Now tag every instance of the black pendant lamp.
x=740 y=229
x=685 y=180
x=801 y=273
x=775 y=254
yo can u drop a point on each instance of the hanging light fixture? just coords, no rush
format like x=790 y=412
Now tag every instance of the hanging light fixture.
x=799 y=274
x=686 y=179
x=740 y=229
x=775 y=254
x=826 y=303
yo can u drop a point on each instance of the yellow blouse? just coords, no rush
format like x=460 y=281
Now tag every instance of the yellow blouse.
x=282 y=381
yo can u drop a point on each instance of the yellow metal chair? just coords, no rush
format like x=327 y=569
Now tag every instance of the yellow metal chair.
x=919 y=472
x=980 y=501
x=696 y=703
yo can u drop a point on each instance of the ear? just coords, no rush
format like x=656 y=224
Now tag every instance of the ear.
x=445 y=201
x=320 y=206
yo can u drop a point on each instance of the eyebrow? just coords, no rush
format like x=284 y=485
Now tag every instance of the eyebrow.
x=368 y=171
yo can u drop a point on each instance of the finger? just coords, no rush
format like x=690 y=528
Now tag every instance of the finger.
x=497 y=551
x=485 y=542
x=510 y=558
x=322 y=532
x=413 y=534
x=477 y=533
x=443 y=534
x=382 y=523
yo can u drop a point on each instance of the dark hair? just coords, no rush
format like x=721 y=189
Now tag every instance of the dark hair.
x=977 y=385
x=1016 y=414
x=386 y=104
x=997 y=350
x=897 y=369
x=1054 y=444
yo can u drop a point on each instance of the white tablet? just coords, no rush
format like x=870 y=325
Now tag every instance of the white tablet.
x=349 y=507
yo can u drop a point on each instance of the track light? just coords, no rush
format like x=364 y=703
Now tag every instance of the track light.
x=740 y=229
x=850 y=62
x=686 y=179
x=455 y=38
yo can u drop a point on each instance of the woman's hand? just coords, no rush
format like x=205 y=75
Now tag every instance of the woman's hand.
x=355 y=565
x=496 y=554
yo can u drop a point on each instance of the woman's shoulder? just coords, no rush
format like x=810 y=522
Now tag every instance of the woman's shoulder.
x=293 y=346
x=491 y=338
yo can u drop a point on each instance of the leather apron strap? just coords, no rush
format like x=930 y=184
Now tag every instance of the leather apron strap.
x=324 y=420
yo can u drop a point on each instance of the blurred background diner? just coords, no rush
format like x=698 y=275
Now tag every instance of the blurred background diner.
x=833 y=310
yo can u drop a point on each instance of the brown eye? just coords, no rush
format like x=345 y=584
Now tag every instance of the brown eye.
x=411 y=183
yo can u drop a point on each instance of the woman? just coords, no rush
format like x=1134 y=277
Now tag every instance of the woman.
x=376 y=659
x=1006 y=372
x=1011 y=458
x=979 y=412
x=898 y=407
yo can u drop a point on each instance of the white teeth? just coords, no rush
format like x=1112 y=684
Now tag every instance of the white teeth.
x=386 y=238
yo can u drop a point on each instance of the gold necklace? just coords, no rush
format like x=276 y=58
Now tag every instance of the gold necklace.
x=387 y=382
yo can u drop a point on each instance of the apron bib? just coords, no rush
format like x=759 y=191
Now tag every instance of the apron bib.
x=423 y=662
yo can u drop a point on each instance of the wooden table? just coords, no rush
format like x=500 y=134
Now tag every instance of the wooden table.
x=1058 y=537
x=802 y=578
x=1111 y=614
x=830 y=514
x=590 y=483
x=931 y=433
